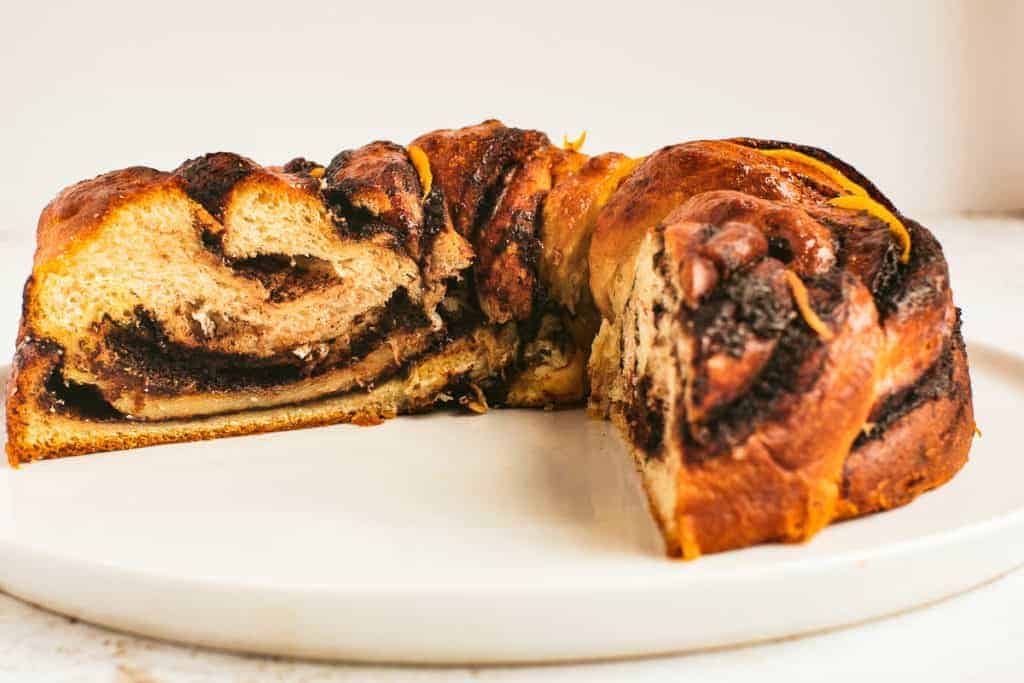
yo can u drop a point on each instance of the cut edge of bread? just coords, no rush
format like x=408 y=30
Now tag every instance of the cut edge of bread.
x=35 y=432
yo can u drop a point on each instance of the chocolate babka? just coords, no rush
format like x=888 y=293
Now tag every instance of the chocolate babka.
x=775 y=341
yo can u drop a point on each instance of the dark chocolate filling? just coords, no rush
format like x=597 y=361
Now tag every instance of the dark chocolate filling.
x=435 y=217
x=505 y=150
x=784 y=374
x=85 y=402
x=794 y=366
x=935 y=383
x=780 y=249
x=484 y=210
x=873 y=256
x=287 y=277
x=300 y=166
x=82 y=400
x=357 y=223
x=743 y=305
x=143 y=354
x=646 y=418
x=209 y=179
x=925 y=279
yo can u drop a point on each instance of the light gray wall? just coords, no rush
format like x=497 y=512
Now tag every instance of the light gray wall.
x=924 y=97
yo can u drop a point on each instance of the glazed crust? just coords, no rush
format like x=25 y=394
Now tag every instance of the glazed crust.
x=818 y=378
x=78 y=210
x=379 y=181
x=470 y=164
x=917 y=452
x=570 y=213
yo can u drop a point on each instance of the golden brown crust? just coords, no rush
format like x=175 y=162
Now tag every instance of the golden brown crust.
x=570 y=212
x=921 y=450
x=380 y=182
x=81 y=208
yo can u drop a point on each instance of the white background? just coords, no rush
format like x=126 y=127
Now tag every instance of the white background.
x=924 y=97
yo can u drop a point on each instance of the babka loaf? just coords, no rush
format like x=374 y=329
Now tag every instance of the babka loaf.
x=774 y=340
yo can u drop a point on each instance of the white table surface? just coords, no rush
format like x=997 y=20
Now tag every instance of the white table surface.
x=975 y=636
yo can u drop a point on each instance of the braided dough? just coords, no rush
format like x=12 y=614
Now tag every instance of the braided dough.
x=775 y=341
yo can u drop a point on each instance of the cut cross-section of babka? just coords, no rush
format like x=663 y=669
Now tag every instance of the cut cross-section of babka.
x=777 y=344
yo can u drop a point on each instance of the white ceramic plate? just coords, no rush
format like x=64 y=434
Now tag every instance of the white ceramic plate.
x=517 y=536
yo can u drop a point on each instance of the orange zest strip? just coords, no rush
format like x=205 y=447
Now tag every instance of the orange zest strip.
x=857 y=197
x=574 y=145
x=869 y=205
x=833 y=174
x=421 y=163
x=478 y=404
x=803 y=304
